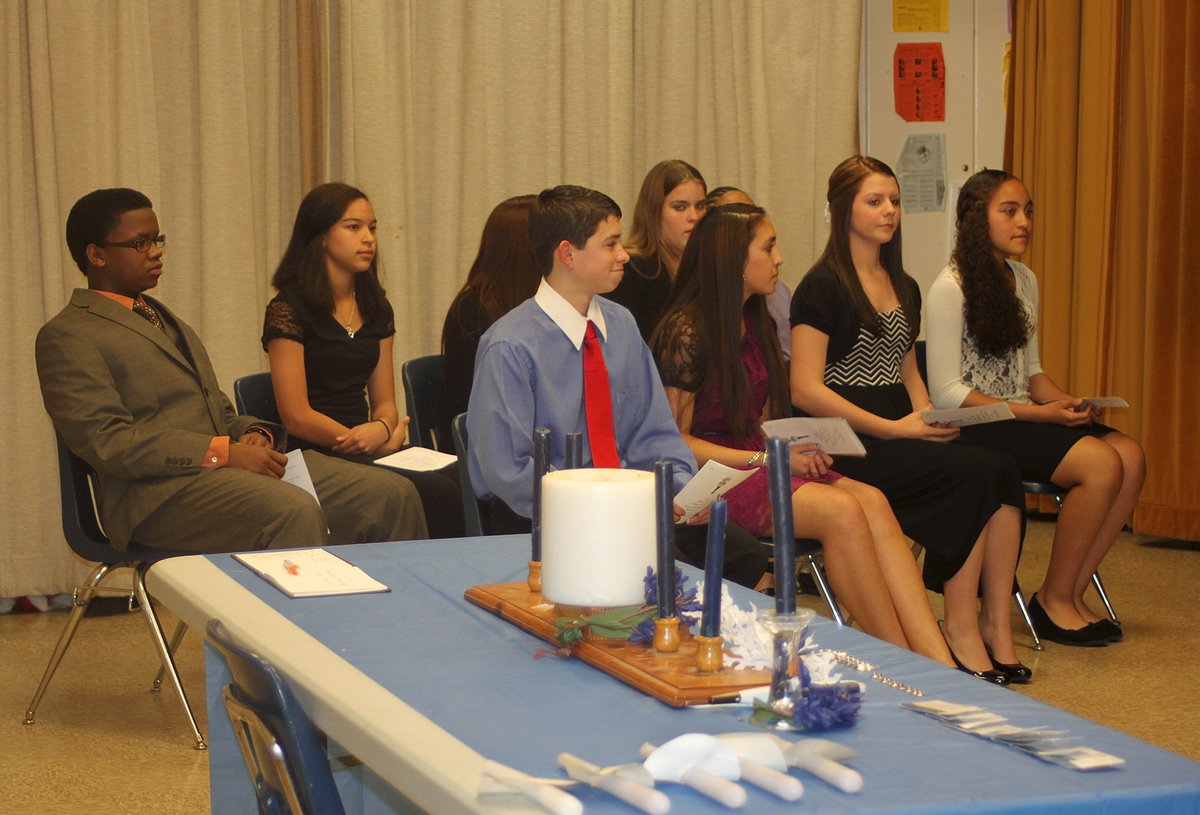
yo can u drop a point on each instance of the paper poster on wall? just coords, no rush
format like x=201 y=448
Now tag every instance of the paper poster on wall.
x=920 y=15
x=921 y=171
x=919 y=81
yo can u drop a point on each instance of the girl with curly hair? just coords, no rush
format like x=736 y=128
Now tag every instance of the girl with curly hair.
x=983 y=348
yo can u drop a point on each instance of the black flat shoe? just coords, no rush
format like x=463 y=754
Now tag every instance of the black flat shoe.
x=1085 y=637
x=1108 y=630
x=1017 y=673
x=995 y=677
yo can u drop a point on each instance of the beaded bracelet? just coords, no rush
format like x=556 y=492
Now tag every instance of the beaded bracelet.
x=262 y=431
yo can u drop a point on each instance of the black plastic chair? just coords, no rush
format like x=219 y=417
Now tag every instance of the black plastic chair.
x=253 y=395
x=423 y=378
x=81 y=528
x=283 y=753
x=475 y=511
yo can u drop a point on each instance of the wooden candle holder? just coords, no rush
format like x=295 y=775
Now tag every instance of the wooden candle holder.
x=666 y=635
x=710 y=655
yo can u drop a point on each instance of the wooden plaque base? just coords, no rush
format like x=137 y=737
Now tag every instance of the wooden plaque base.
x=671 y=678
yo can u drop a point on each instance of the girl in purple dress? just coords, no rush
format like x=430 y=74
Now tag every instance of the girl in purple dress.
x=724 y=374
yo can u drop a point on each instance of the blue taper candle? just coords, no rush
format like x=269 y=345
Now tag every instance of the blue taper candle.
x=664 y=513
x=779 y=479
x=714 y=565
x=574 y=450
x=541 y=461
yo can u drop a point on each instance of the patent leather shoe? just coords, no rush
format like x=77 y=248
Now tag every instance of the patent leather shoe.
x=995 y=677
x=1047 y=629
x=1017 y=673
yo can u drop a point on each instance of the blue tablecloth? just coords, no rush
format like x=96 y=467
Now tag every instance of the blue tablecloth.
x=475 y=675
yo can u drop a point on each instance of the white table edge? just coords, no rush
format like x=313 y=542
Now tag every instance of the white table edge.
x=406 y=749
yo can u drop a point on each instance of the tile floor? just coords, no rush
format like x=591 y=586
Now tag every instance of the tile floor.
x=103 y=744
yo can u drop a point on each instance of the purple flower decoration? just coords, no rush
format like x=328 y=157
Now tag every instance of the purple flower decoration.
x=685 y=600
x=825 y=707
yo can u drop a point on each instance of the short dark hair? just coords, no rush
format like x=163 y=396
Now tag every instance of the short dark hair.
x=95 y=215
x=566 y=212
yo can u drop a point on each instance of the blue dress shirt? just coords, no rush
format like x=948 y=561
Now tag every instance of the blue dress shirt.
x=529 y=374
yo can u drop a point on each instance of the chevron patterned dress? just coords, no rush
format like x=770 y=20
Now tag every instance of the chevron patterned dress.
x=942 y=494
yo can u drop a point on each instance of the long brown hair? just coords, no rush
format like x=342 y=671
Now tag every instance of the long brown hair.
x=645 y=237
x=302 y=267
x=504 y=273
x=844 y=184
x=992 y=312
x=707 y=298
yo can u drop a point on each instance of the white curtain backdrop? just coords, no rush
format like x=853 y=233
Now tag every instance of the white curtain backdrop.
x=438 y=110
x=193 y=104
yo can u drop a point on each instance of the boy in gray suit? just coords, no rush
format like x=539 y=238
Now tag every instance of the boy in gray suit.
x=130 y=389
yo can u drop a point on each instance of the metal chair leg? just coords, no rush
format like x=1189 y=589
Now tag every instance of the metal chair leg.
x=83 y=596
x=1104 y=597
x=176 y=638
x=1023 y=607
x=818 y=575
x=164 y=652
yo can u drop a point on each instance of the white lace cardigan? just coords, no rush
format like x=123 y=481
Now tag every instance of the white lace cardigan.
x=954 y=364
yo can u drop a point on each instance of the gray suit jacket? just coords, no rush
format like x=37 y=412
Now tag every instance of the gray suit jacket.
x=131 y=404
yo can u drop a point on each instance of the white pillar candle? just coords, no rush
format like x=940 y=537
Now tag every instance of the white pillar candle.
x=598 y=536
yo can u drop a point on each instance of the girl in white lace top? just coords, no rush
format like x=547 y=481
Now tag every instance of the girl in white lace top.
x=982 y=346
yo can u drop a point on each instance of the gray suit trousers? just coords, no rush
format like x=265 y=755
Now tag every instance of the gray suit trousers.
x=230 y=510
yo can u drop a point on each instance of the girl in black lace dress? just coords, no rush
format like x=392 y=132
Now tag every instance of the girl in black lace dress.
x=328 y=334
x=855 y=317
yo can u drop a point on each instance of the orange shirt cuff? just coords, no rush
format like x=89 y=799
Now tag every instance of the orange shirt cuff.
x=217 y=454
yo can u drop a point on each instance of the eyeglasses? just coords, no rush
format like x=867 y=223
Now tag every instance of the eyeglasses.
x=141 y=244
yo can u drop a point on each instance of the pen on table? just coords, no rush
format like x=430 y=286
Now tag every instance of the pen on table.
x=745 y=696
x=291 y=568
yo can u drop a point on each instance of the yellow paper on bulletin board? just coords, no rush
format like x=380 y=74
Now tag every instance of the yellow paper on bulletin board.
x=920 y=15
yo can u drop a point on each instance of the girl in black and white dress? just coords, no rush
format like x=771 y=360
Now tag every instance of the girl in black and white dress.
x=855 y=317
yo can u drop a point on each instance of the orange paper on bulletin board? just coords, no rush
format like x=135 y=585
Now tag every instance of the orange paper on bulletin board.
x=920 y=82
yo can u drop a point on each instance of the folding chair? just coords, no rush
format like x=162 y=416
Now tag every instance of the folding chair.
x=283 y=754
x=85 y=536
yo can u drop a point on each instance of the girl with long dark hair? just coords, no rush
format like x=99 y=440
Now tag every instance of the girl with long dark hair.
x=328 y=335
x=983 y=348
x=724 y=374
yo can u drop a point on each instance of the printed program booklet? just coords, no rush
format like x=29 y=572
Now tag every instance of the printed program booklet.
x=310 y=573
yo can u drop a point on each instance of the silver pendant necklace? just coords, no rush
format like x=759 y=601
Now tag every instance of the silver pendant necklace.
x=350 y=322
